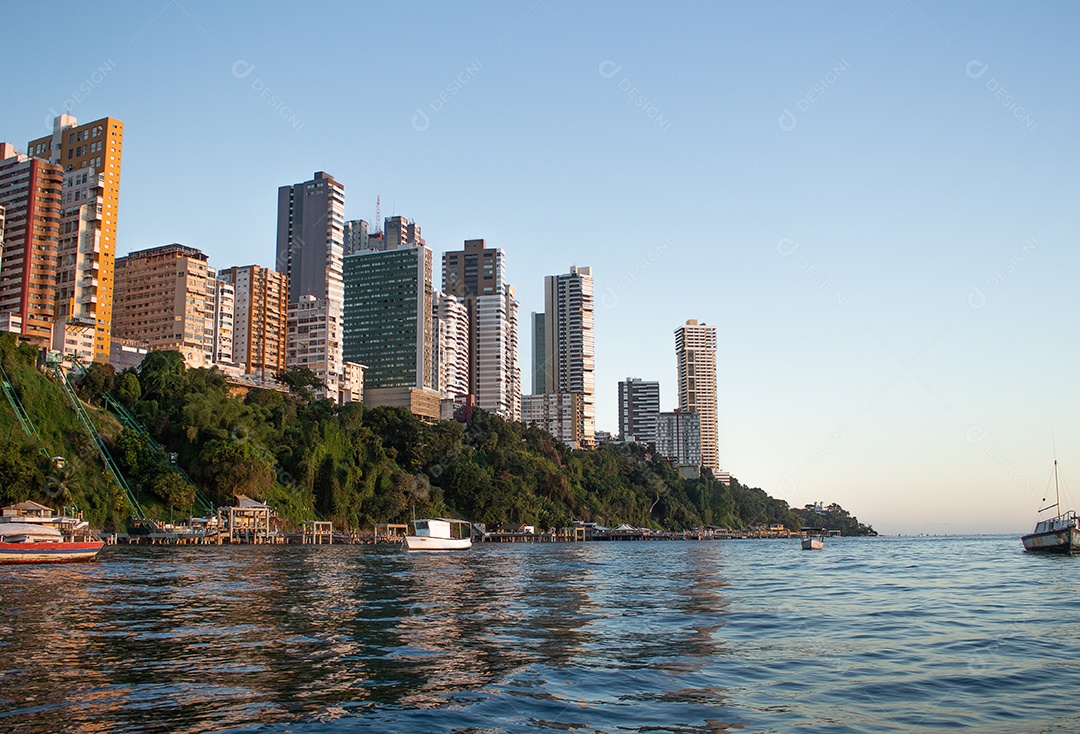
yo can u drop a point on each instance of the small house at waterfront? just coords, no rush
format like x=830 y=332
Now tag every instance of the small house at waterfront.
x=27 y=509
x=248 y=521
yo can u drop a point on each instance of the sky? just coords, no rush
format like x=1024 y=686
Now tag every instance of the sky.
x=875 y=203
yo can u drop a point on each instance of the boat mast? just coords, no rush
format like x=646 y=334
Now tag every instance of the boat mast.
x=1057 y=495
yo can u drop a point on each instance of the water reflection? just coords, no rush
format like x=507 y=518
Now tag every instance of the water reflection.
x=591 y=636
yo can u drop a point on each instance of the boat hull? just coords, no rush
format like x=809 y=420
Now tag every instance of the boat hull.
x=49 y=552
x=426 y=543
x=1066 y=540
x=812 y=544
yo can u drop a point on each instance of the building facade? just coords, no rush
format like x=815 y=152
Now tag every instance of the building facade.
x=389 y=317
x=223 y=297
x=451 y=358
x=557 y=413
x=476 y=274
x=310 y=237
x=260 y=319
x=78 y=264
x=695 y=354
x=639 y=409
x=94 y=150
x=163 y=299
x=314 y=340
x=30 y=192
x=678 y=439
x=568 y=350
x=401 y=232
x=355 y=236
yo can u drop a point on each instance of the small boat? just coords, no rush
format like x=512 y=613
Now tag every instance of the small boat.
x=815 y=537
x=437 y=534
x=1058 y=534
x=32 y=533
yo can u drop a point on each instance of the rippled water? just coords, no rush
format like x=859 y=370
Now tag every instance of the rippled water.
x=869 y=635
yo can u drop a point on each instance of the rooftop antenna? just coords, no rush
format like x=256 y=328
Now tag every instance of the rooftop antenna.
x=378 y=215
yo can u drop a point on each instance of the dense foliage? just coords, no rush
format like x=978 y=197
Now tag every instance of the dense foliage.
x=359 y=466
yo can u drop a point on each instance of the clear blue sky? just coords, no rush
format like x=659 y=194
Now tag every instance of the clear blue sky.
x=876 y=203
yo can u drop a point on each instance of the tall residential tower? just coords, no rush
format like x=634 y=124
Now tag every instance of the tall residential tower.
x=477 y=275
x=568 y=344
x=30 y=192
x=310 y=236
x=90 y=156
x=639 y=409
x=695 y=353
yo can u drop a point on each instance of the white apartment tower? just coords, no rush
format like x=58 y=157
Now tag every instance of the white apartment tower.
x=223 y=296
x=568 y=343
x=695 y=353
x=476 y=274
x=451 y=330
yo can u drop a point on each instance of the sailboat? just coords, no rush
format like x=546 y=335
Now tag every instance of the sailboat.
x=1058 y=534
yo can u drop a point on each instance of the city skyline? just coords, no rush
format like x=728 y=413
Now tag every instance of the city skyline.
x=875 y=205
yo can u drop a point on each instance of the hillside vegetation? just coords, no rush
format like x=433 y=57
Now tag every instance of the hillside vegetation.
x=359 y=466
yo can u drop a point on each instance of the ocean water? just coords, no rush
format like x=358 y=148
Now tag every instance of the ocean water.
x=868 y=635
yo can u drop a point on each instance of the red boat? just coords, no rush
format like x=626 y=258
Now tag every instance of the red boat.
x=31 y=533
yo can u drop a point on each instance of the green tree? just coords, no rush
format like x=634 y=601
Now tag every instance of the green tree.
x=95 y=382
x=301 y=382
x=127 y=389
x=228 y=467
x=172 y=489
x=161 y=375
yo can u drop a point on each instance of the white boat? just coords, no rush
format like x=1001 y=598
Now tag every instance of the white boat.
x=32 y=533
x=1058 y=534
x=812 y=544
x=437 y=534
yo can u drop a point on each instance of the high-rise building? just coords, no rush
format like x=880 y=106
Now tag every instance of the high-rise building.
x=401 y=232
x=451 y=330
x=477 y=275
x=94 y=149
x=678 y=439
x=639 y=408
x=30 y=192
x=695 y=353
x=314 y=342
x=557 y=413
x=77 y=270
x=223 y=296
x=498 y=376
x=310 y=235
x=539 y=343
x=356 y=236
x=163 y=300
x=389 y=317
x=260 y=318
x=568 y=342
